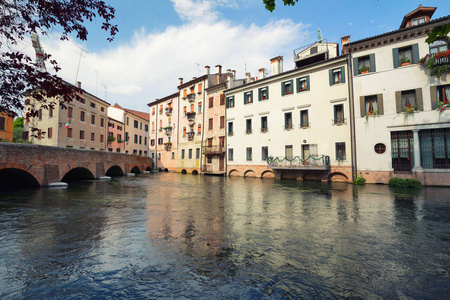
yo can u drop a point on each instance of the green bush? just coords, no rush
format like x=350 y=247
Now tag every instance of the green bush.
x=405 y=183
x=360 y=180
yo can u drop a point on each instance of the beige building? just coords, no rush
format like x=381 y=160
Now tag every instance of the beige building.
x=163 y=133
x=81 y=125
x=135 y=128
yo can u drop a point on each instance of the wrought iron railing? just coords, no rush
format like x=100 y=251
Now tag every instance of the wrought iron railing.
x=296 y=162
x=216 y=149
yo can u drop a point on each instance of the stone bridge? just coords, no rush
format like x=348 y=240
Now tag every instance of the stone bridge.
x=23 y=165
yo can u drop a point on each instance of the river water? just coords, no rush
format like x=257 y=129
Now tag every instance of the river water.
x=196 y=237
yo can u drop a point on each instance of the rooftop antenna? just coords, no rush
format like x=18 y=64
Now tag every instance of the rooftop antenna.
x=106 y=89
x=305 y=36
x=198 y=69
x=79 y=60
x=39 y=52
x=319 y=33
x=96 y=81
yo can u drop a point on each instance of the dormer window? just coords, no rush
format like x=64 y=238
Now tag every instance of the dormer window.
x=418 y=21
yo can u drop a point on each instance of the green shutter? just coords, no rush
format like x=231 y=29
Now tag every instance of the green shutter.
x=419 y=99
x=362 y=106
x=372 y=63
x=355 y=66
x=307 y=83
x=251 y=96
x=330 y=73
x=395 y=57
x=298 y=84
x=433 y=97
x=283 y=89
x=415 y=53
x=292 y=86
x=267 y=92
x=245 y=98
x=342 y=74
x=259 y=94
x=380 y=104
x=227 y=102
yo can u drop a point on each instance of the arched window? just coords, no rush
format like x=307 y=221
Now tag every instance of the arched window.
x=160 y=124
x=153 y=126
x=153 y=111
x=170 y=120
x=184 y=131
x=199 y=128
x=441 y=44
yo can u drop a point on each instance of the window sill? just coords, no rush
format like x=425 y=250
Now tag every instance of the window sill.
x=290 y=94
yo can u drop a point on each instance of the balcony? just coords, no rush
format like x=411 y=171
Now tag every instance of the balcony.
x=437 y=64
x=190 y=116
x=168 y=130
x=190 y=135
x=191 y=97
x=313 y=162
x=168 y=146
x=312 y=53
x=213 y=150
x=168 y=111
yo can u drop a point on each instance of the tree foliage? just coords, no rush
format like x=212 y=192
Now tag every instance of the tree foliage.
x=438 y=31
x=19 y=74
x=270 y=4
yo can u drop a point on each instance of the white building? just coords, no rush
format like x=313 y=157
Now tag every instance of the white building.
x=299 y=119
x=399 y=131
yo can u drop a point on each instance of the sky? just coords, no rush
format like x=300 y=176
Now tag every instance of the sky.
x=160 y=41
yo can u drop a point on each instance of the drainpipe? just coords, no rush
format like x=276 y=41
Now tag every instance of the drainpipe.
x=203 y=123
x=352 y=114
x=156 y=137
x=226 y=134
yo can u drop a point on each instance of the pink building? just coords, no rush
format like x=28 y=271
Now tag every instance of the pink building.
x=115 y=135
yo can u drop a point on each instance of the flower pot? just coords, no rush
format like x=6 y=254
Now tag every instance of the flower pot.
x=405 y=64
x=364 y=72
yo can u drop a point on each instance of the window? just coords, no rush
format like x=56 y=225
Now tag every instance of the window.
x=184 y=131
x=303 y=84
x=140 y=140
x=190 y=154
x=184 y=111
x=119 y=137
x=405 y=55
x=338 y=114
x=248 y=152
x=248 y=97
x=145 y=141
x=182 y=153
x=402 y=144
x=199 y=108
x=210 y=124
x=222 y=122
x=340 y=151
x=128 y=121
x=136 y=124
x=50 y=132
x=185 y=93
x=153 y=126
x=264 y=124
x=135 y=138
x=160 y=141
x=127 y=137
x=83 y=117
x=230 y=154
x=146 y=127
x=443 y=93
x=93 y=119
x=92 y=104
x=200 y=87
x=69 y=132
x=435 y=148
x=209 y=160
x=102 y=122
x=92 y=137
x=70 y=112
x=102 y=109
x=81 y=134
x=40 y=115
x=304 y=119
x=230 y=128
x=364 y=64
x=288 y=121
x=50 y=112
x=380 y=148
x=408 y=100
x=153 y=110
x=211 y=102
x=287 y=87
x=337 y=75
x=248 y=126
x=440 y=45
x=2 y=123
x=371 y=105
x=173 y=155
x=222 y=99
x=221 y=141
x=209 y=142
x=160 y=110
x=159 y=156
x=160 y=125
x=263 y=93
x=140 y=126
x=118 y=127
x=140 y=153
x=118 y=150
x=101 y=138
x=418 y=21
x=152 y=142
x=264 y=153
x=230 y=102
x=199 y=128
x=197 y=153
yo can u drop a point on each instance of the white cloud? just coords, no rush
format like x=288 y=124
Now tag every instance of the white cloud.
x=148 y=67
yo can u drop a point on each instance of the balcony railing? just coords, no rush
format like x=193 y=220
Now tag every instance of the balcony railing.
x=191 y=97
x=190 y=135
x=168 y=130
x=168 y=111
x=321 y=162
x=190 y=115
x=168 y=146
x=210 y=150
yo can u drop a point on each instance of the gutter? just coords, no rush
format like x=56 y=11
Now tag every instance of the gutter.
x=352 y=116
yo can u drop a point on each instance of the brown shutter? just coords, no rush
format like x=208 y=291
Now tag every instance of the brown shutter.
x=380 y=104
x=2 y=123
x=419 y=99
x=362 y=106
x=398 y=101
x=433 y=97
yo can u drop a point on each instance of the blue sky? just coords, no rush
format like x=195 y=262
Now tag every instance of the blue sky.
x=162 y=40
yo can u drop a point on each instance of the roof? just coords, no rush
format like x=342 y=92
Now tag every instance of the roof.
x=139 y=114
x=157 y=101
x=418 y=12
x=193 y=81
x=112 y=119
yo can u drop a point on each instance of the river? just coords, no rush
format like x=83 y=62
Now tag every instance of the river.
x=179 y=236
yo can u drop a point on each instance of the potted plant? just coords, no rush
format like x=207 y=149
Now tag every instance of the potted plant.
x=120 y=141
x=409 y=110
x=363 y=70
x=405 y=61
x=111 y=139
x=443 y=105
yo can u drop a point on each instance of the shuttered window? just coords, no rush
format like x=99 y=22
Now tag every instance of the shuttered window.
x=303 y=84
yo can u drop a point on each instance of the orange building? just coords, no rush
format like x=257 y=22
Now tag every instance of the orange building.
x=6 y=127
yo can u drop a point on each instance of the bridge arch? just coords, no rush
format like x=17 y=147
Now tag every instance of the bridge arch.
x=233 y=172
x=135 y=170
x=338 y=176
x=13 y=178
x=183 y=171
x=267 y=174
x=77 y=174
x=249 y=173
x=195 y=172
x=114 y=171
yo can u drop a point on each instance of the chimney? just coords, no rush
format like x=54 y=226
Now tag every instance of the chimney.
x=345 y=42
x=234 y=74
x=218 y=73
x=248 y=77
x=180 y=82
x=230 y=79
x=261 y=73
x=276 y=65
x=79 y=84
x=193 y=78
x=206 y=70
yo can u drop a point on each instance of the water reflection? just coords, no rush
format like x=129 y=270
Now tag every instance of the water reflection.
x=169 y=235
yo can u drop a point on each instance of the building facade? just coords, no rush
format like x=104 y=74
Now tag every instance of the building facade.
x=115 y=135
x=82 y=124
x=6 y=127
x=293 y=124
x=163 y=132
x=402 y=128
